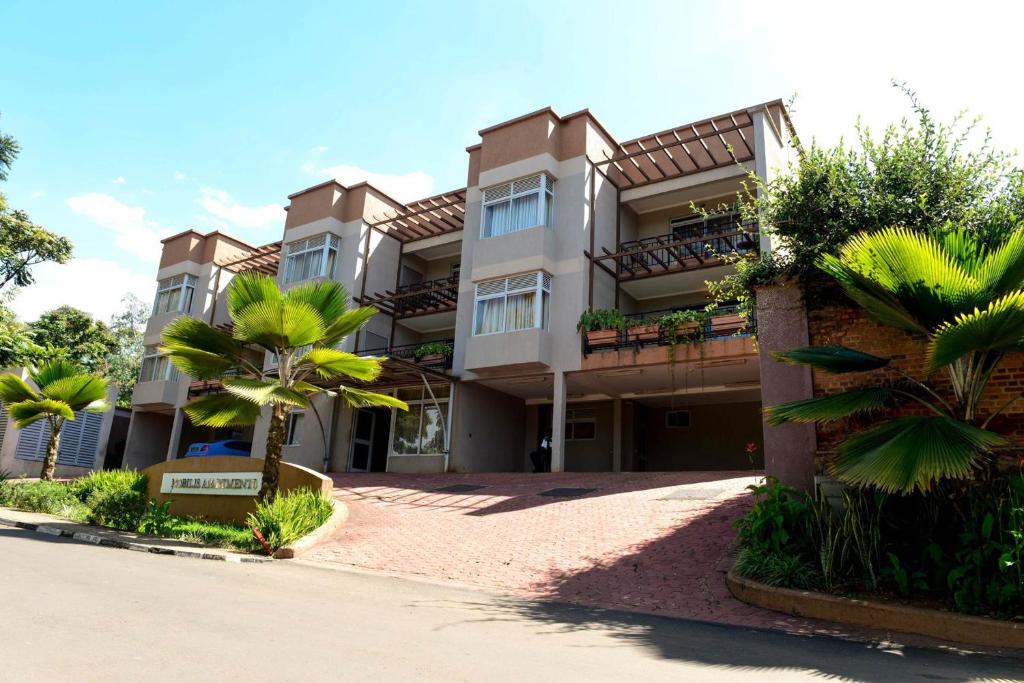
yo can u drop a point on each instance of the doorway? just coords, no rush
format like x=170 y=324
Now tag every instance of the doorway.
x=371 y=433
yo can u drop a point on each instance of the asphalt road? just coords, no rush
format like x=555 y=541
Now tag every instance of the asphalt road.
x=78 y=612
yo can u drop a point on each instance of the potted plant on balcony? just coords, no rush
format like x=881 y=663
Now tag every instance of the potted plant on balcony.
x=726 y=322
x=432 y=353
x=602 y=326
x=643 y=329
x=682 y=325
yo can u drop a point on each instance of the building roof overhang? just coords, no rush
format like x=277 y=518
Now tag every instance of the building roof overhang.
x=438 y=215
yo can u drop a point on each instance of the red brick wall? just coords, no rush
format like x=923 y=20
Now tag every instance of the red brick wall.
x=848 y=326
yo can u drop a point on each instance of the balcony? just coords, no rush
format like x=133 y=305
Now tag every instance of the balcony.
x=411 y=364
x=647 y=329
x=681 y=250
x=419 y=299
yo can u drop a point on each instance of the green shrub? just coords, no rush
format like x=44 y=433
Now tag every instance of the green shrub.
x=203 y=532
x=156 y=520
x=117 y=508
x=290 y=516
x=431 y=348
x=780 y=522
x=601 y=319
x=774 y=569
x=120 y=480
x=51 y=497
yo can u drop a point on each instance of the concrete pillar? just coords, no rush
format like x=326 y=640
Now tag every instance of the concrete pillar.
x=172 y=442
x=617 y=435
x=558 y=424
x=781 y=326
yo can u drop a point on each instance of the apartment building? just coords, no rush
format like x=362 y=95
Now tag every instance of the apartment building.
x=480 y=290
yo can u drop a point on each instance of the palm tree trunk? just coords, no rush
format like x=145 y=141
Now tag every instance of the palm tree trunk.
x=50 y=461
x=272 y=459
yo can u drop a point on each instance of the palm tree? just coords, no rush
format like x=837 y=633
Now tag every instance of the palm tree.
x=301 y=328
x=964 y=298
x=63 y=389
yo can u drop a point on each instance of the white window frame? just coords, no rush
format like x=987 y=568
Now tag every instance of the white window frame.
x=291 y=436
x=506 y=192
x=185 y=283
x=331 y=242
x=510 y=287
x=575 y=416
x=689 y=417
x=170 y=373
x=424 y=400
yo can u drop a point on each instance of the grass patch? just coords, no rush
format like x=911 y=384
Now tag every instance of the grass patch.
x=117 y=499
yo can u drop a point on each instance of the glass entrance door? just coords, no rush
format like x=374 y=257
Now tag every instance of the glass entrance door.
x=362 y=441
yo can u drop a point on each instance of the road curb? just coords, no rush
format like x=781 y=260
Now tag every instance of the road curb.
x=94 y=539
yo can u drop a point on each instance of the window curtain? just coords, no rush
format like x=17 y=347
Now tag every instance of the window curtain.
x=304 y=265
x=496 y=220
x=490 y=315
x=521 y=309
x=524 y=212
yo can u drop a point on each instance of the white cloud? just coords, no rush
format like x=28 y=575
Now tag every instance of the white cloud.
x=119 y=180
x=38 y=194
x=178 y=175
x=319 y=149
x=223 y=206
x=93 y=285
x=405 y=188
x=132 y=231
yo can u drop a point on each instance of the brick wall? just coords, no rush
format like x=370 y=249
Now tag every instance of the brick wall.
x=848 y=326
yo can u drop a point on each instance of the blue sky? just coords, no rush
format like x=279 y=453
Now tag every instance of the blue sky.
x=140 y=120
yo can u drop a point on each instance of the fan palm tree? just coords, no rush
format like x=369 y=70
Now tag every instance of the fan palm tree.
x=63 y=389
x=964 y=298
x=301 y=328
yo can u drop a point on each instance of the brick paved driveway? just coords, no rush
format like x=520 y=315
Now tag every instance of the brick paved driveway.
x=651 y=542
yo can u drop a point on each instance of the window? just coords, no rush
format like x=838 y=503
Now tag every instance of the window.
x=174 y=294
x=156 y=367
x=580 y=424
x=519 y=205
x=311 y=258
x=293 y=428
x=455 y=270
x=677 y=419
x=520 y=302
x=421 y=429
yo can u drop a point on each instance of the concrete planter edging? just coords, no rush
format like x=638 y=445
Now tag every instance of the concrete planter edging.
x=950 y=626
x=309 y=541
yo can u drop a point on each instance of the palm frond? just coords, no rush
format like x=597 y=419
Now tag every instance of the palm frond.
x=76 y=391
x=27 y=412
x=327 y=297
x=14 y=389
x=832 y=407
x=222 y=410
x=913 y=267
x=264 y=392
x=285 y=324
x=833 y=359
x=251 y=288
x=999 y=327
x=1003 y=268
x=913 y=452
x=97 y=407
x=200 y=350
x=330 y=363
x=347 y=324
x=360 y=398
x=53 y=370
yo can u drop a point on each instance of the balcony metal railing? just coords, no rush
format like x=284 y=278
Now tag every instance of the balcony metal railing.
x=642 y=329
x=421 y=298
x=407 y=352
x=686 y=248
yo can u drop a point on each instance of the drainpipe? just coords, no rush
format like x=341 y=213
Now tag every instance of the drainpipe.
x=324 y=432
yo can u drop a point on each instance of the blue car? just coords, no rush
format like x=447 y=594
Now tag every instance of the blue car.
x=230 y=447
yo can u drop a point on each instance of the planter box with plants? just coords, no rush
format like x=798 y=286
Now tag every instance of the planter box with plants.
x=433 y=353
x=601 y=327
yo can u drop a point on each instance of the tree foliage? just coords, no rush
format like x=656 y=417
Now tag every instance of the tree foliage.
x=74 y=334
x=125 y=360
x=920 y=174
x=23 y=244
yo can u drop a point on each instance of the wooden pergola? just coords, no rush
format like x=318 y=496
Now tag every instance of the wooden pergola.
x=423 y=298
x=691 y=148
x=438 y=215
x=265 y=259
